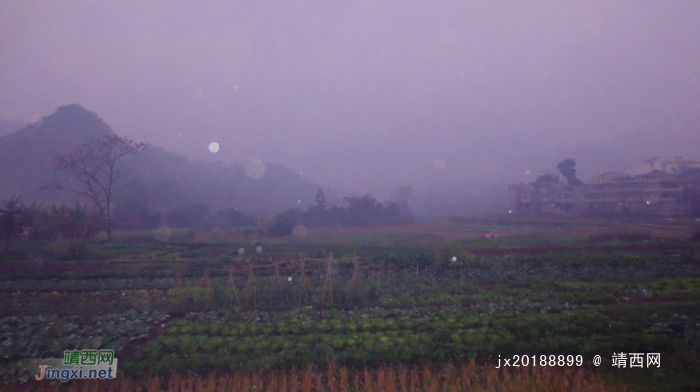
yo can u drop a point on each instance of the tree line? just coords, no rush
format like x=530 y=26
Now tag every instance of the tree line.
x=94 y=169
x=356 y=211
x=567 y=168
x=83 y=222
x=55 y=222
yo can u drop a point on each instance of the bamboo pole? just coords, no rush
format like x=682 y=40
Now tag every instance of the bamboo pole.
x=232 y=284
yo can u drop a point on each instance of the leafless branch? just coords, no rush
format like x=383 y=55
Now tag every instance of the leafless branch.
x=95 y=166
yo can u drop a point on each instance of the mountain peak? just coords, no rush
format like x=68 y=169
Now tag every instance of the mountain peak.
x=159 y=180
x=26 y=156
x=73 y=121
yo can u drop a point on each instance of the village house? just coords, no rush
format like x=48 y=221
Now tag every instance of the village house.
x=655 y=187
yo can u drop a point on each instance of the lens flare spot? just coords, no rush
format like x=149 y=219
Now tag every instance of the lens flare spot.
x=35 y=118
x=299 y=231
x=163 y=233
x=214 y=147
x=255 y=168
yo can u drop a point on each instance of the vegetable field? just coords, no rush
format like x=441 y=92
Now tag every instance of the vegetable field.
x=194 y=310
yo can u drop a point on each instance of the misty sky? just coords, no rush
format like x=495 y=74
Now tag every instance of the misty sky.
x=457 y=98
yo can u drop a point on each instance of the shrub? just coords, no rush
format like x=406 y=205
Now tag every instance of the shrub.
x=62 y=222
x=284 y=223
x=231 y=217
x=191 y=215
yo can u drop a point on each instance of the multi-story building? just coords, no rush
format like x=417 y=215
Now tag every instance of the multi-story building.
x=675 y=165
x=675 y=190
x=550 y=197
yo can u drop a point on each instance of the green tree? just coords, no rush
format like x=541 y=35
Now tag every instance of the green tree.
x=547 y=179
x=94 y=168
x=73 y=223
x=232 y=217
x=285 y=222
x=321 y=199
x=567 y=168
x=14 y=218
x=191 y=215
x=366 y=210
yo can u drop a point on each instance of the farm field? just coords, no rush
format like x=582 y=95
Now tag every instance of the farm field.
x=433 y=306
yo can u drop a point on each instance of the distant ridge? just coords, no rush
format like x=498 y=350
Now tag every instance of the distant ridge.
x=160 y=181
x=71 y=122
x=26 y=156
x=7 y=127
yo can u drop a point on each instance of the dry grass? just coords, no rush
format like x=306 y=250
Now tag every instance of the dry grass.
x=465 y=377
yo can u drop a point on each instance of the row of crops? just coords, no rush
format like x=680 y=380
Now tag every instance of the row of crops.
x=409 y=306
x=295 y=326
x=137 y=264
x=393 y=289
x=48 y=336
x=192 y=346
x=401 y=269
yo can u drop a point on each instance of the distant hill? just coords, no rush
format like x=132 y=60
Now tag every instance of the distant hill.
x=8 y=127
x=26 y=156
x=160 y=180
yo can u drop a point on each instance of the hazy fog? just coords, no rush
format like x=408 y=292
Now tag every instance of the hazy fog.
x=456 y=98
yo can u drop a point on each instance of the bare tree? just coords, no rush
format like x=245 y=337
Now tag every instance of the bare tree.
x=94 y=168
